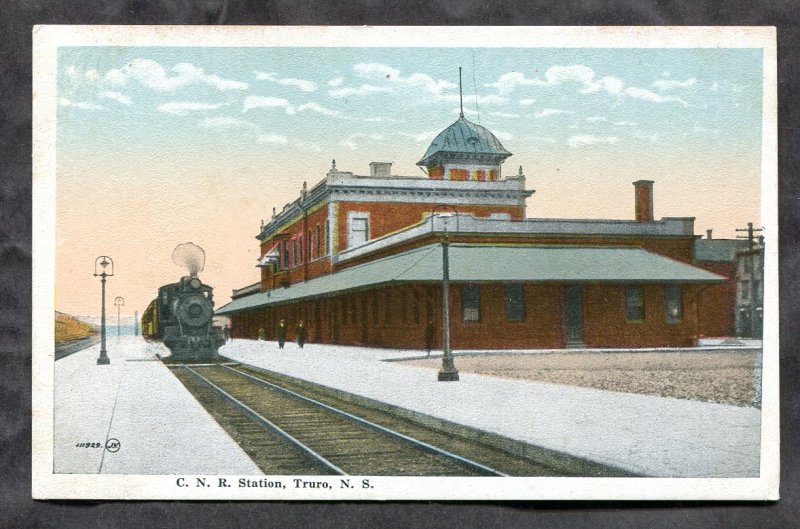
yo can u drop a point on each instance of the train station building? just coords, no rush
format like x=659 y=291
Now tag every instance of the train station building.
x=359 y=260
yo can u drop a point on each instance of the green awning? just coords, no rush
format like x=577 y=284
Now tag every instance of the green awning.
x=477 y=263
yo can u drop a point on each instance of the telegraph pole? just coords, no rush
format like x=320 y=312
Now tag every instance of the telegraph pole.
x=752 y=287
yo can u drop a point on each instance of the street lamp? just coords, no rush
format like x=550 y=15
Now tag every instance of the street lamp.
x=448 y=371
x=119 y=301
x=103 y=261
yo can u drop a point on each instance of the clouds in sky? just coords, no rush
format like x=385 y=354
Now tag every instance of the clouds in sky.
x=154 y=76
x=116 y=96
x=254 y=102
x=64 y=102
x=588 y=83
x=556 y=100
x=581 y=140
x=302 y=84
x=669 y=84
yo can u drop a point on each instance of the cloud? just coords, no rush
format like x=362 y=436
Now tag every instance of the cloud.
x=383 y=72
x=422 y=137
x=526 y=102
x=350 y=141
x=116 y=96
x=596 y=119
x=505 y=136
x=587 y=80
x=551 y=112
x=227 y=122
x=336 y=82
x=276 y=139
x=154 y=76
x=253 y=102
x=647 y=95
x=362 y=90
x=586 y=139
x=625 y=123
x=302 y=84
x=504 y=114
x=508 y=82
x=64 y=102
x=77 y=75
x=182 y=108
x=669 y=84
x=317 y=108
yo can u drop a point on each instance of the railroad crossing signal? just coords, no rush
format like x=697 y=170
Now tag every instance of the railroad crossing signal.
x=750 y=235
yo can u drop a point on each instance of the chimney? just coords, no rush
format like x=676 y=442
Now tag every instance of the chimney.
x=380 y=169
x=708 y=235
x=644 y=200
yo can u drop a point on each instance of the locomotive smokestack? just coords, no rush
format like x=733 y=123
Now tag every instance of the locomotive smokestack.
x=189 y=256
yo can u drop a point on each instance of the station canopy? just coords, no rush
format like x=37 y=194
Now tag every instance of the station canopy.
x=475 y=263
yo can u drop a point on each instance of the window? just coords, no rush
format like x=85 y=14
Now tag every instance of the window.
x=634 y=304
x=357 y=229
x=744 y=290
x=318 y=240
x=471 y=302
x=673 y=305
x=515 y=302
x=285 y=252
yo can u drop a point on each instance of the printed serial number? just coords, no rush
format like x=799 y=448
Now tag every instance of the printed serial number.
x=88 y=445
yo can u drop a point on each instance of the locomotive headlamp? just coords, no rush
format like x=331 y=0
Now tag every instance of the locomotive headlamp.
x=194 y=283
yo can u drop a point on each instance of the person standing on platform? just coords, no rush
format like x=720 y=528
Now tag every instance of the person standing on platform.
x=226 y=334
x=301 y=334
x=262 y=334
x=281 y=334
x=429 y=336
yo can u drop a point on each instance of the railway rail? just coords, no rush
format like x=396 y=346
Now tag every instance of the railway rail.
x=290 y=429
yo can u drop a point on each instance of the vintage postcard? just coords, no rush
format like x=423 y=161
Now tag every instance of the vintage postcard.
x=405 y=263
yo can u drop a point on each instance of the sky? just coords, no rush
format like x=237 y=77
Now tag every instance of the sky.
x=159 y=146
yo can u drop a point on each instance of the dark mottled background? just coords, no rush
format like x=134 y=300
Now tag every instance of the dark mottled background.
x=16 y=20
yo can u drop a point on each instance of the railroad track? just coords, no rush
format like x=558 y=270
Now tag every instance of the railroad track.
x=289 y=429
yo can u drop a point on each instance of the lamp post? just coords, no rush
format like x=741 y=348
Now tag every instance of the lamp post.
x=119 y=302
x=103 y=261
x=448 y=371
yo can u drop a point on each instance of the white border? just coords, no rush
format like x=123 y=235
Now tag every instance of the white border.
x=47 y=40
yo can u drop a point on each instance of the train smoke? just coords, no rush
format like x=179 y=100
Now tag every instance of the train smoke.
x=189 y=256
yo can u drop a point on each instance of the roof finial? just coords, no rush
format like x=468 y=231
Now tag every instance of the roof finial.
x=333 y=165
x=460 y=93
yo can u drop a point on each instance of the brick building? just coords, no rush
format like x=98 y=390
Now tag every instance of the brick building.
x=359 y=259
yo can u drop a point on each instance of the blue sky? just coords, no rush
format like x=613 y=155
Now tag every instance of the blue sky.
x=159 y=146
x=393 y=101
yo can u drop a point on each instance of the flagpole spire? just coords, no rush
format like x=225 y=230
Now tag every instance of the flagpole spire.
x=460 y=93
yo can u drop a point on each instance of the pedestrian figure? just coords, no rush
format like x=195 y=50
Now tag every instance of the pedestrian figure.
x=226 y=334
x=281 y=334
x=262 y=334
x=429 y=336
x=301 y=334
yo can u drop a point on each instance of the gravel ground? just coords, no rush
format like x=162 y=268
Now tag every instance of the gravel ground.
x=712 y=376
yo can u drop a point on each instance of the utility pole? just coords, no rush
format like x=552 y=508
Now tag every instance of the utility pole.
x=136 y=323
x=751 y=259
x=751 y=240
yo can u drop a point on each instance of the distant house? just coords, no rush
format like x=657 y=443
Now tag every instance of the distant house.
x=719 y=256
x=359 y=259
x=750 y=292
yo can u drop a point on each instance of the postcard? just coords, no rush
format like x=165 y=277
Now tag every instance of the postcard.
x=405 y=263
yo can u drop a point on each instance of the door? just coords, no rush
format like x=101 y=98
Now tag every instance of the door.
x=573 y=316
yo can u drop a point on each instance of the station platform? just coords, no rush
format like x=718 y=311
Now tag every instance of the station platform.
x=641 y=434
x=162 y=429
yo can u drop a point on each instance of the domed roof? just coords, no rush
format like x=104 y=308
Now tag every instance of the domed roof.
x=464 y=137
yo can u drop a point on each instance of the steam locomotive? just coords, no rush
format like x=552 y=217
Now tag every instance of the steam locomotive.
x=181 y=318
